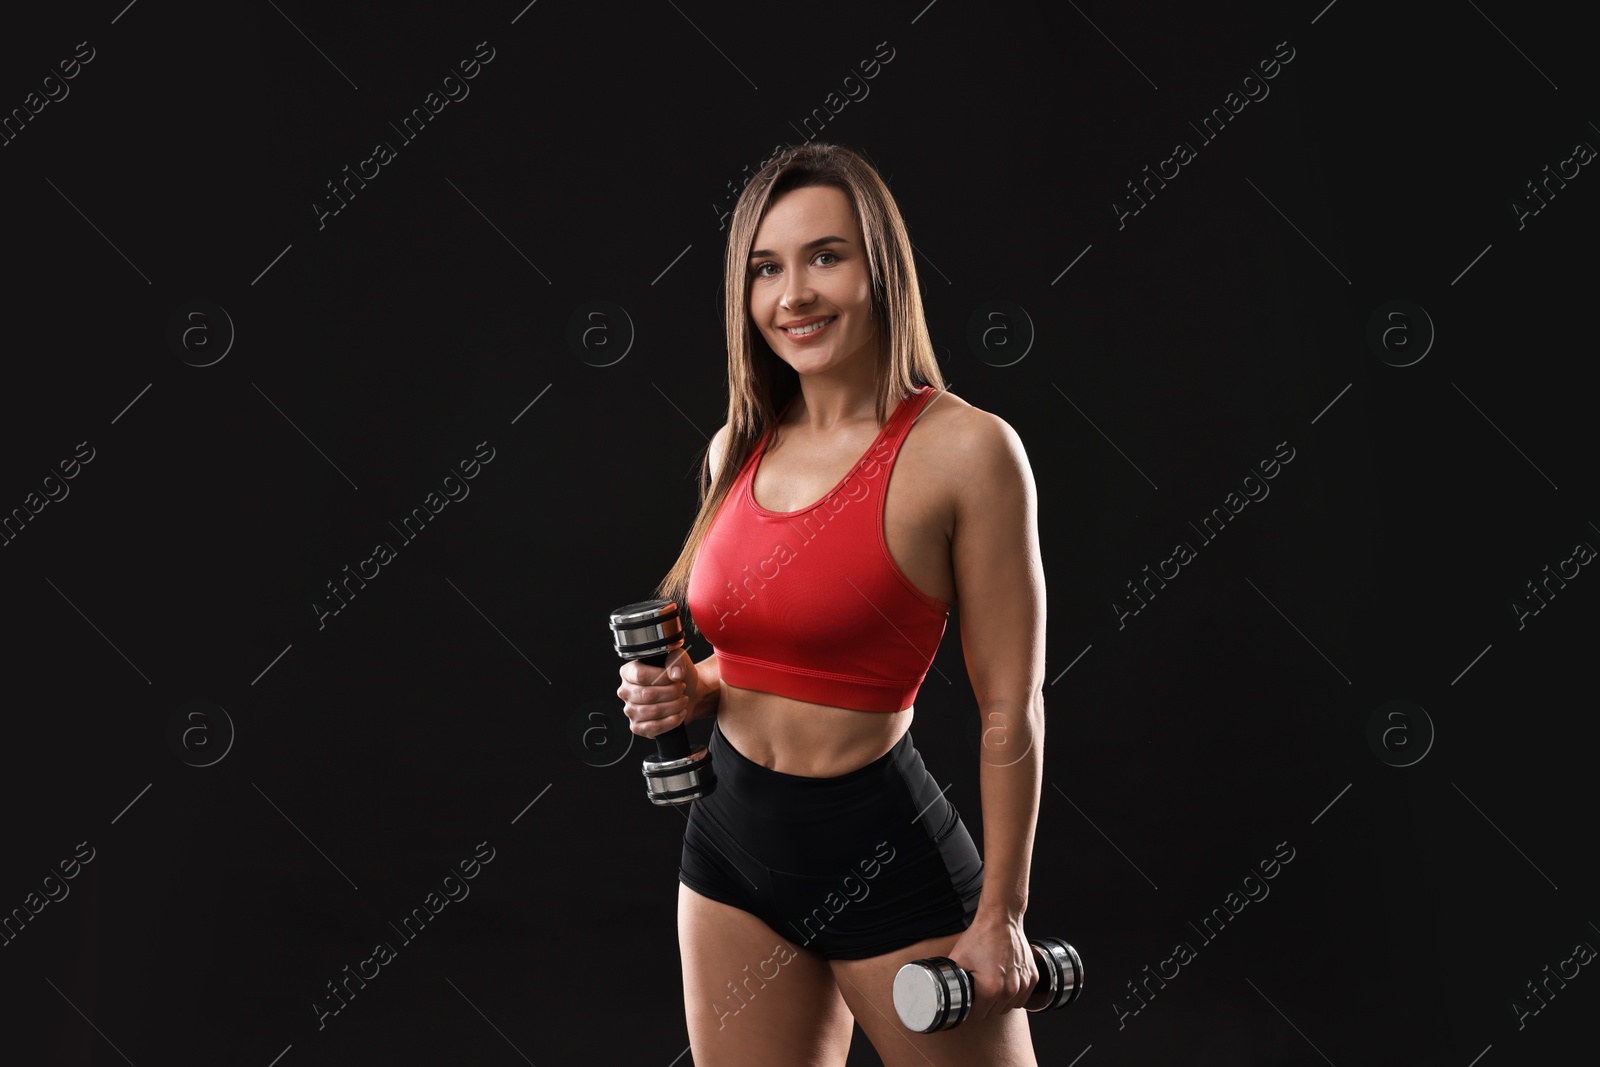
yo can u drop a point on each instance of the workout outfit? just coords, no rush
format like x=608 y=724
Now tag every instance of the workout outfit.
x=809 y=604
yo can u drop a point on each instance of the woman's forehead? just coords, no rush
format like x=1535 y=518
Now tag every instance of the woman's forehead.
x=793 y=214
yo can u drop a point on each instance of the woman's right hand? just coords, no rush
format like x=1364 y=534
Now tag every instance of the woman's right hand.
x=653 y=699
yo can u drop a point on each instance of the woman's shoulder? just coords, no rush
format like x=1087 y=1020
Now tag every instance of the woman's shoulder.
x=963 y=430
x=968 y=447
x=716 y=450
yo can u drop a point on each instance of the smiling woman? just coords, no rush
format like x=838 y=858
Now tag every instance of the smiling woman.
x=845 y=505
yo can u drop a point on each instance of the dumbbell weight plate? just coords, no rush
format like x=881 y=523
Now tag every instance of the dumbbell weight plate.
x=932 y=994
x=1060 y=974
x=681 y=780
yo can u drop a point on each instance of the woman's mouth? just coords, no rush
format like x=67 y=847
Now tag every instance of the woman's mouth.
x=806 y=333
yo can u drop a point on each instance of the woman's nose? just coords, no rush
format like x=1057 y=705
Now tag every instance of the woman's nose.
x=796 y=294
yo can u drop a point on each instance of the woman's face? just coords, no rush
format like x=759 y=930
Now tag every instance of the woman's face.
x=809 y=265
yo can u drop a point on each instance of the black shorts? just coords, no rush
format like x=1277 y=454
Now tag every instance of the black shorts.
x=848 y=867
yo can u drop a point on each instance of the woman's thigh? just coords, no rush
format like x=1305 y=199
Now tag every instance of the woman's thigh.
x=752 y=996
x=1001 y=1040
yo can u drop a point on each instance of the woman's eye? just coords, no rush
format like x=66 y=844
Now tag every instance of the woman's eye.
x=759 y=269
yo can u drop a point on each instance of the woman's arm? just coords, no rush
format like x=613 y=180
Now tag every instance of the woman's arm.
x=1000 y=591
x=710 y=690
x=1010 y=812
x=710 y=672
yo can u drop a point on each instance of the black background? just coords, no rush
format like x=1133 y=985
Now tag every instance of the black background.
x=590 y=162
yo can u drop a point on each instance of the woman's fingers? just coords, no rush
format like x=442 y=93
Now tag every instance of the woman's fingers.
x=660 y=725
x=648 y=685
x=654 y=719
x=649 y=696
x=652 y=700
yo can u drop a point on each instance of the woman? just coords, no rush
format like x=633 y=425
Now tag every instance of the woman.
x=828 y=857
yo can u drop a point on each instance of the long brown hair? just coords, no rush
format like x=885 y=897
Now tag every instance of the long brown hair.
x=759 y=383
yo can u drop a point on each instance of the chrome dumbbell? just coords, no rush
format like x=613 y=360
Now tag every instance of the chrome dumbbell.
x=935 y=994
x=650 y=631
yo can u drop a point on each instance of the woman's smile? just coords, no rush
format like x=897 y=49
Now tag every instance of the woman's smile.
x=813 y=328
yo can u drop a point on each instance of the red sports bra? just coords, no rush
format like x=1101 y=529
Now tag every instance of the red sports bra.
x=809 y=604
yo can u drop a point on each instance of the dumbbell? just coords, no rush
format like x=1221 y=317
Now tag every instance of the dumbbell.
x=936 y=994
x=650 y=631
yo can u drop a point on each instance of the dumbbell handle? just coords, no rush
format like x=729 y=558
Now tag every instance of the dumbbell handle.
x=671 y=744
x=936 y=993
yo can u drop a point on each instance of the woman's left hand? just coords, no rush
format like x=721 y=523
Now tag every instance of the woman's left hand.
x=997 y=953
